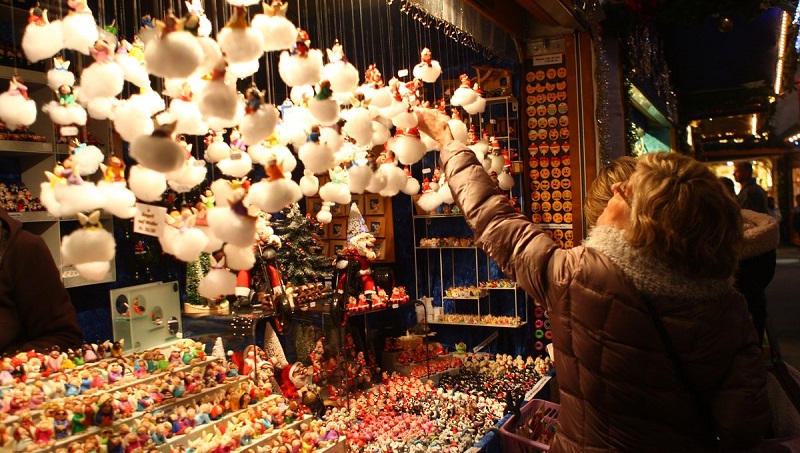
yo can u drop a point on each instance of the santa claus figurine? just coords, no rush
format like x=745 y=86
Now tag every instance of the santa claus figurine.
x=293 y=380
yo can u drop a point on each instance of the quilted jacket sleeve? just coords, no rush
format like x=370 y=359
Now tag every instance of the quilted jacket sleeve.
x=521 y=249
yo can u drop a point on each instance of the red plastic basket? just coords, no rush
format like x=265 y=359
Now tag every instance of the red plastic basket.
x=523 y=434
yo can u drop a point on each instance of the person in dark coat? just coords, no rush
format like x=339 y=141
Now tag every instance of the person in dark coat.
x=35 y=308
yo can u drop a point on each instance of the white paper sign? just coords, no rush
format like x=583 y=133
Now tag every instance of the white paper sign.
x=543 y=60
x=402 y=73
x=532 y=392
x=149 y=219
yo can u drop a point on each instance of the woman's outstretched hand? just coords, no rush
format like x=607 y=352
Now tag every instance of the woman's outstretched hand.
x=434 y=124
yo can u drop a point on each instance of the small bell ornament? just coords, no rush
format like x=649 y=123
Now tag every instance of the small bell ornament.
x=42 y=38
x=90 y=248
x=428 y=70
x=277 y=32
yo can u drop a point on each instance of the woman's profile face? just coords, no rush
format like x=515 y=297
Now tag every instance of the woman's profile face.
x=618 y=210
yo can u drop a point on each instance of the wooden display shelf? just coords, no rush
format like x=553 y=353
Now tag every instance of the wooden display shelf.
x=24 y=148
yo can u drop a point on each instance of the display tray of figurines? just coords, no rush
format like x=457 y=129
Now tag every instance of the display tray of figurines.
x=167 y=399
x=479 y=320
x=497 y=375
x=465 y=292
x=378 y=302
x=15 y=197
x=21 y=134
x=449 y=241
x=502 y=283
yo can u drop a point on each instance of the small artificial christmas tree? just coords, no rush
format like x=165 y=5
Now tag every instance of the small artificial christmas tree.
x=195 y=271
x=300 y=257
x=218 y=350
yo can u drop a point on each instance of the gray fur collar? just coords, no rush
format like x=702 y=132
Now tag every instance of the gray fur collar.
x=650 y=278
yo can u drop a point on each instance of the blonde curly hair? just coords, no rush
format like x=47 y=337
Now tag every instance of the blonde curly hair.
x=681 y=217
x=620 y=169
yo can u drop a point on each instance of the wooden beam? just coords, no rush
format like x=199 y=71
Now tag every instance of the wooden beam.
x=510 y=18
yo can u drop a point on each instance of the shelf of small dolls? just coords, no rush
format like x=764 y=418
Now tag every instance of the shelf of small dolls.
x=506 y=326
x=446 y=247
x=30 y=217
x=7 y=72
x=132 y=421
x=436 y=216
x=266 y=438
x=184 y=440
x=494 y=288
x=9 y=148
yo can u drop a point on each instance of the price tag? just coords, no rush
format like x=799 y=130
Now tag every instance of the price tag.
x=492 y=121
x=402 y=72
x=532 y=392
x=149 y=219
x=69 y=131
x=395 y=305
x=312 y=304
x=425 y=171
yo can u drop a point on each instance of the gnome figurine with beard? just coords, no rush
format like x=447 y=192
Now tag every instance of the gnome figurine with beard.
x=360 y=252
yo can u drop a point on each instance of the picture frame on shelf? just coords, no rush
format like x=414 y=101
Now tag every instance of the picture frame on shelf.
x=338 y=210
x=374 y=204
x=313 y=205
x=376 y=226
x=337 y=247
x=338 y=229
x=325 y=232
x=380 y=251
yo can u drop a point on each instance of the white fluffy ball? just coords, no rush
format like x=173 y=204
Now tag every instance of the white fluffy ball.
x=148 y=185
x=176 y=55
x=42 y=41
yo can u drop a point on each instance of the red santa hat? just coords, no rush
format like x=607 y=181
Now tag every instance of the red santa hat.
x=410 y=132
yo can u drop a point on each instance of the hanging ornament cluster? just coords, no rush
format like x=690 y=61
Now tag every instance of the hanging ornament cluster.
x=201 y=98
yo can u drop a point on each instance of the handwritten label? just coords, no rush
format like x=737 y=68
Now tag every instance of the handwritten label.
x=395 y=305
x=543 y=60
x=532 y=392
x=149 y=219
x=69 y=131
x=402 y=73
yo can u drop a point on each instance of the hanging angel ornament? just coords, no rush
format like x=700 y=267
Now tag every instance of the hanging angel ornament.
x=60 y=74
x=464 y=94
x=132 y=120
x=480 y=102
x=42 y=38
x=260 y=118
x=342 y=75
x=358 y=125
x=274 y=192
x=159 y=151
x=187 y=113
x=233 y=223
x=216 y=147
x=238 y=41
x=337 y=189
x=315 y=155
x=86 y=159
x=191 y=174
x=16 y=108
x=238 y=164
x=428 y=70
x=407 y=146
x=218 y=99
x=104 y=78
x=175 y=53
x=277 y=32
x=90 y=248
x=304 y=65
x=66 y=193
x=132 y=63
x=78 y=28
x=396 y=178
x=323 y=107
x=196 y=13
x=181 y=239
x=120 y=201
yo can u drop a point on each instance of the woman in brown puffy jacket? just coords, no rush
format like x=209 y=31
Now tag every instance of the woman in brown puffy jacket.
x=668 y=235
